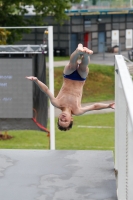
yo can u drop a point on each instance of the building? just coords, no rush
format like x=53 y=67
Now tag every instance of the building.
x=100 y=29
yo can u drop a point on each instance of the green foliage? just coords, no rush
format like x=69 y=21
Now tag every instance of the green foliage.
x=3 y=36
x=12 y=13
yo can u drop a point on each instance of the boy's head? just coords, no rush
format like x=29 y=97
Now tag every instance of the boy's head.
x=65 y=121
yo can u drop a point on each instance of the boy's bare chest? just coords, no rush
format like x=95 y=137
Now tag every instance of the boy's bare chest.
x=70 y=94
x=70 y=99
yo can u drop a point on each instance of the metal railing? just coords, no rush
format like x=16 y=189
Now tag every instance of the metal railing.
x=102 y=4
x=123 y=129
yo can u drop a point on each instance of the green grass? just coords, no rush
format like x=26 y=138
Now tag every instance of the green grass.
x=74 y=139
x=57 y=58
x=88 y=138
x=26 y=140
x=99 y=85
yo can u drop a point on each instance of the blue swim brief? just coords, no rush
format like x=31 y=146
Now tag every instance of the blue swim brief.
x=74 y=76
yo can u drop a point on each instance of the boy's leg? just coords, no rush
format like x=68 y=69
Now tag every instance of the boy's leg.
x=83 y=69
x=73 y=64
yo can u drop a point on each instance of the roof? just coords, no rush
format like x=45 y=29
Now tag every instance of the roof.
x=108 y=11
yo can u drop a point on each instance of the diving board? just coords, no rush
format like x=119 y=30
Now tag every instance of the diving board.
x=57 y=175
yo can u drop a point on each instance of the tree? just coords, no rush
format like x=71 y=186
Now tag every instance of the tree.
x=94 y=2
x=3 y=36
x=12 y=13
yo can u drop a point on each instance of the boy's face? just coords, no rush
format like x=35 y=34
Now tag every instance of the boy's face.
x=65 y=119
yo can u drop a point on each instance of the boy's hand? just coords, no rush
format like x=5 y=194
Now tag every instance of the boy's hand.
x=32 y=78
x=112 y=105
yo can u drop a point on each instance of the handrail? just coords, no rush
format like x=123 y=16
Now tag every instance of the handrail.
x=123 y=129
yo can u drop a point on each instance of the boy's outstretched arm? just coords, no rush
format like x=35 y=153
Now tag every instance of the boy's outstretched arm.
x=97 y=106
x=43 y=88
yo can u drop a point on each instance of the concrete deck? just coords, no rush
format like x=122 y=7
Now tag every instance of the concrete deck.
x=57 y=175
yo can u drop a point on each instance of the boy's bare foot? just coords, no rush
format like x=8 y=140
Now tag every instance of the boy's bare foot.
x=80 y=48
x=88 y=51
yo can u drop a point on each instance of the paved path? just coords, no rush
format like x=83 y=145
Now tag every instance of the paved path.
x=106 y=59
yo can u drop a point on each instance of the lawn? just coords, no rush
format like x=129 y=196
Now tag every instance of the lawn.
x=99 y=86
x=81 y=138
x=78 y=138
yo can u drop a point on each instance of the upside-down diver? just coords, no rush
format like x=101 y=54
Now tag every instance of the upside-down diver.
x=69 y=97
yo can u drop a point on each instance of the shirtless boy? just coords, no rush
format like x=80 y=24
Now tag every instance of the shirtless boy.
x=69 y=98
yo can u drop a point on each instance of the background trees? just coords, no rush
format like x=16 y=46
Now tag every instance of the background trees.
x=13 y=13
